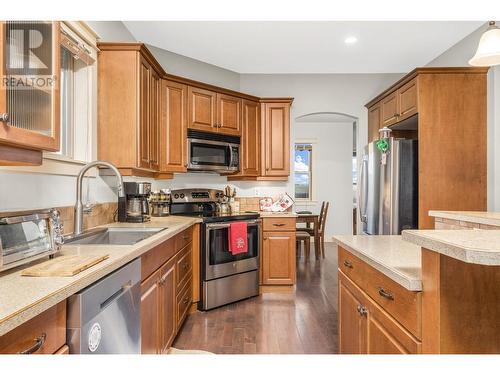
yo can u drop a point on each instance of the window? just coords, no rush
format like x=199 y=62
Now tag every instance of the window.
x=303 y=171
x=77 y=96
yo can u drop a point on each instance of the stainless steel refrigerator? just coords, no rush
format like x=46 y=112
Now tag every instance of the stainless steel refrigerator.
x=388 y=189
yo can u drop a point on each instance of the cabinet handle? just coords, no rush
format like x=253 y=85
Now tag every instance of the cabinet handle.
x=4 y=117
x=39 y=341
x=363 y=311
x=348 y=264
x=185 y=266
x=385 y=294
x=186 y=300
x=279 y=225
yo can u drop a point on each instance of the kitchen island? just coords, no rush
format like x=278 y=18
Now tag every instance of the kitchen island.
x=454 y=277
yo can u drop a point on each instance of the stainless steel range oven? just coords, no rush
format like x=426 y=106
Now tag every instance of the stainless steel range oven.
x=226 y=277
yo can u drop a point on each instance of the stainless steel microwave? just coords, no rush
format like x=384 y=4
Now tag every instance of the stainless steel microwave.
x=212 y=152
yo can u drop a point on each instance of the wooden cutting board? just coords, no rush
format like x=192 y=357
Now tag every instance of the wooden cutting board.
x=66 y=265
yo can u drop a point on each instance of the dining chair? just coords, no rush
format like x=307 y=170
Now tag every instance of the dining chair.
x=321 y=228
x=302 y=236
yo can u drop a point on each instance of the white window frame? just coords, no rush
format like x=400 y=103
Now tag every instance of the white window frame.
x=55 y=163
x=312 y=198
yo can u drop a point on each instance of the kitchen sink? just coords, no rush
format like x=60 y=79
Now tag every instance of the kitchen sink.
x=112 y=236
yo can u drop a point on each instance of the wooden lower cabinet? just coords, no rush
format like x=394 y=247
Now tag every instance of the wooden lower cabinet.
x=167 y=304
x=352 y=324
x=150 y=314
x=278 y=255
x=43 y=334
x=278 y=251
x=365 y=328
x=166 y=294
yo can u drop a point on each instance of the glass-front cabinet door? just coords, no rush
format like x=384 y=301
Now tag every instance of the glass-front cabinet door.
x=29 y=92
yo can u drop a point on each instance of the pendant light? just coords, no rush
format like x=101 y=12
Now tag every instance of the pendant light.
x=488 y=50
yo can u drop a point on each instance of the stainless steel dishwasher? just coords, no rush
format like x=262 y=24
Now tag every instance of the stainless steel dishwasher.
x=105 y=318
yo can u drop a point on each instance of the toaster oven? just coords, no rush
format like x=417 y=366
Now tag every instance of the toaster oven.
x=27 y=236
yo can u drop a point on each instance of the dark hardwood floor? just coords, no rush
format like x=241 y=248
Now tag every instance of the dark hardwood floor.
x=303 y=322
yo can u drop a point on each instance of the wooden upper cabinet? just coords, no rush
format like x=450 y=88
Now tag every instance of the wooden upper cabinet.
x=278 y=258
x=202 y=109
x=29 y=109
x=276 y=139
x=173 y=135
x=397 y=106
x=228 y=114
x=407 y=100
x=129 y=116
x=390 y=108
x=145 y=110
x=154 y=122
x=250 y=140
x=374 y=122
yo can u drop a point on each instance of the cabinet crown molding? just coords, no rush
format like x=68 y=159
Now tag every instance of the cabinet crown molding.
x=426 y=70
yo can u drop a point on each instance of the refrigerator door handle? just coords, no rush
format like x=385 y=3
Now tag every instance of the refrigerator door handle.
x=363 y=189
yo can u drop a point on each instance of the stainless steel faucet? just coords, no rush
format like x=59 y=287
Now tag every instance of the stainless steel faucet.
x=78 y=220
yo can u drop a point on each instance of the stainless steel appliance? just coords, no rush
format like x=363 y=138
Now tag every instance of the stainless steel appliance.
x=29 y=235
x=225 y=277
x=136 y=207
x=388 y=189
x=105 y=318
x=211 y=152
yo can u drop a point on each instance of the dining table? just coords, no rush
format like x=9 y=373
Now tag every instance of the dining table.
x=308 y=219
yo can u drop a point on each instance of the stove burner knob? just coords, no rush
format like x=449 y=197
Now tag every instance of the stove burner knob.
x=176 y=196
x=182 y=195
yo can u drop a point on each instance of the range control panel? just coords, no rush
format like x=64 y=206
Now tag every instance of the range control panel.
x=196 y=195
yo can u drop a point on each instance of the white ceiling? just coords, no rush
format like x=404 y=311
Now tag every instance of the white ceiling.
x=306 y=46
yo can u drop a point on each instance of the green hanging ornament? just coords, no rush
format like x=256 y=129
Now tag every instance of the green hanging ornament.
x=383 y=145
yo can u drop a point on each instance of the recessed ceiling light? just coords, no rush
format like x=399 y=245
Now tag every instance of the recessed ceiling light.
x=350 y=40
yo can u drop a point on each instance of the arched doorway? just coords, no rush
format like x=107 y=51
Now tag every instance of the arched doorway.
x=325 y=167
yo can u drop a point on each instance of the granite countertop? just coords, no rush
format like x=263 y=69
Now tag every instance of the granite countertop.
x=476 y=246
x=22 y=298
x=480 y=217
x=395 y=258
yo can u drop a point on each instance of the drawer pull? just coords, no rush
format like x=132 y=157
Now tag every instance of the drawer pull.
x=279 y=224
x=185 y=237
x=348 y=264
x=186 y=300
x=385 y=294
x=185 y=266
x=363 y=311
x=39 y=341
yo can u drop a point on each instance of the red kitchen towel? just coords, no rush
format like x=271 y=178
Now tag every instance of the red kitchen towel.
x=238 y=242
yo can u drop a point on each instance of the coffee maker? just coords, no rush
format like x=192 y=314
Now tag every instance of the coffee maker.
x=134 y=207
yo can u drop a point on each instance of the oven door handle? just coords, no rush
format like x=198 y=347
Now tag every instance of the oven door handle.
x=220 y=226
